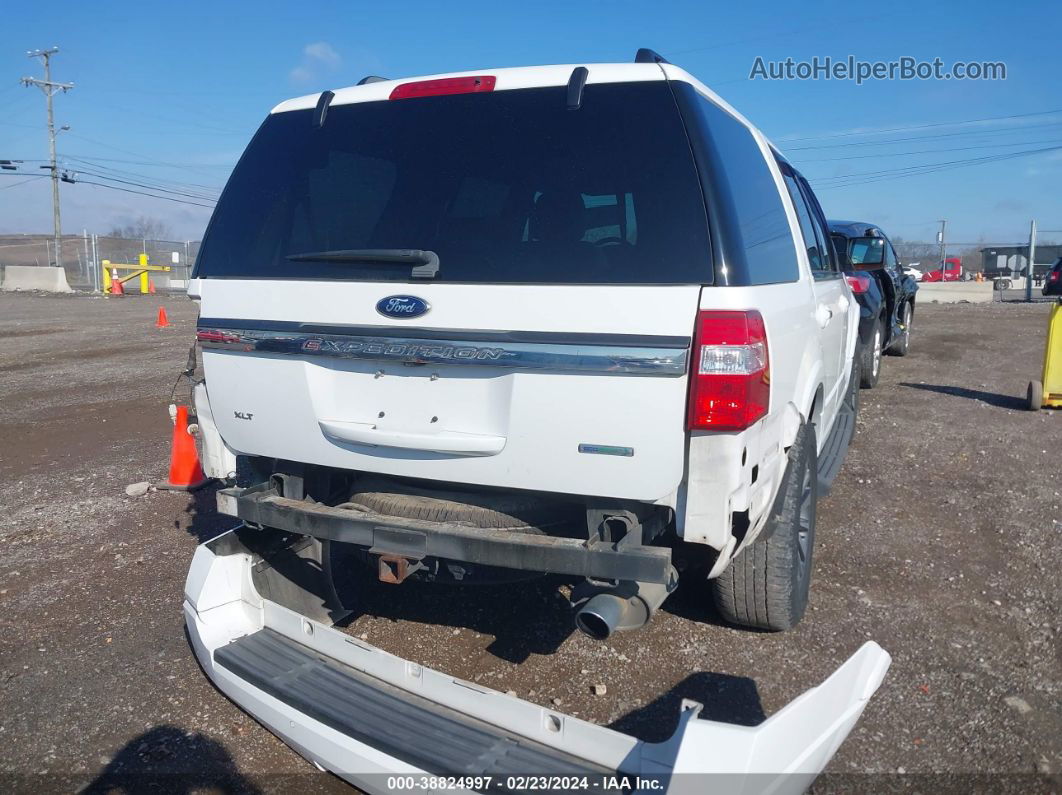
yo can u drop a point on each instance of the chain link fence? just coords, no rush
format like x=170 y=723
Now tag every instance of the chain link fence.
x=83 y=257
x=178 y=256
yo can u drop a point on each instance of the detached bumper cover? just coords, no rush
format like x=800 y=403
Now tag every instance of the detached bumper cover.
x=366 y=715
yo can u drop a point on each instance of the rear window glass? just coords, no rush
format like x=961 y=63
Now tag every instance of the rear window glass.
x=507 y=187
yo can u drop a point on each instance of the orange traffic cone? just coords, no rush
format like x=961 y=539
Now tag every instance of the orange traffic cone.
x=185 y=472
x=151 y=287
x=163 y=321
x=116 y=284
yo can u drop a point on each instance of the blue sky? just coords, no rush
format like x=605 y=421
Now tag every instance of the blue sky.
x=168 y=94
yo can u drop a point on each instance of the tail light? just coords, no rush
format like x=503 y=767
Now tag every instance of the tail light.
x=730 y=374
x=859 y=282
x=1054 y=276
x=444 y=85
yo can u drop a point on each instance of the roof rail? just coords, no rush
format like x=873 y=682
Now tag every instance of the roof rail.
x=371 y=79
x=645 y=55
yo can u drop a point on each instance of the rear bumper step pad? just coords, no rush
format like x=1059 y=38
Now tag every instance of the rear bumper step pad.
x=433 y=738
x=367 y=715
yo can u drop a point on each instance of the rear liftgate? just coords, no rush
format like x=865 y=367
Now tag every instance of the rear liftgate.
x=259 y=606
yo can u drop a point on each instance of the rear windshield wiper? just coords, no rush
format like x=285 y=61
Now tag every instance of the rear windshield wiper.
x=426 y=263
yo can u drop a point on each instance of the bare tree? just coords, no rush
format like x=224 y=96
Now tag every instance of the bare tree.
x=143 y=228
x=911 y=251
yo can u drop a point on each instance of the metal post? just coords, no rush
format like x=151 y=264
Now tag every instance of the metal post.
x=1032 y=261
x=84 y=240
x=943 y=250
x=96 y=278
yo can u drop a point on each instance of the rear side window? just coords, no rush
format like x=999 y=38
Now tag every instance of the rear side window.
x=807 y=224
x=505 y=187
x=828 y=261
x=744 y=183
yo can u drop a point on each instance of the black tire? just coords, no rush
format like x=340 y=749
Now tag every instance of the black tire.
x=1034 y=395
x=870 y=367
x=494 y=510
x=766 y=586
x=903 y=343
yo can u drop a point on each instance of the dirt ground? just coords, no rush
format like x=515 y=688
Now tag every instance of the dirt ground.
x=942 y=541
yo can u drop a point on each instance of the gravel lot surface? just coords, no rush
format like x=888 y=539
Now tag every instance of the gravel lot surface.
x=942 y=541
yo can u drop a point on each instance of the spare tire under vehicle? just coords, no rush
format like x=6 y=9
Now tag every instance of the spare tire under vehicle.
x=519 y=512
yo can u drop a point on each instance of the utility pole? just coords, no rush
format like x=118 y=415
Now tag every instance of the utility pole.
x=943 y=249
x=49 y=88
x=1032 y=261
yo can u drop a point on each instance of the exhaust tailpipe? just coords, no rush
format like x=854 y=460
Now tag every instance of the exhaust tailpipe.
x=630 y=605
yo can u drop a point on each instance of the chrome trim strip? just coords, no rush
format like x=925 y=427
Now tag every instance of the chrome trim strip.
x=465 y=335
x=611 y=359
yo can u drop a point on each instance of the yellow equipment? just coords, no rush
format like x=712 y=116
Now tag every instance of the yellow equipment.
x=1048 y=392
x=140 y=269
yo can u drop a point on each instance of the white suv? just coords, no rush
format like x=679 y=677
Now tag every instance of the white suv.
x=575 y=320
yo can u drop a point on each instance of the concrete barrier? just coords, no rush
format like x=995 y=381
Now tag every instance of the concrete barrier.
x=954 y=292
x=34 y=277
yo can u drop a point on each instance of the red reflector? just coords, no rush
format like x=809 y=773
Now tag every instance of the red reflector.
x=444 y=85
x=1054 y=276
x=730 y=373
x=859 y=282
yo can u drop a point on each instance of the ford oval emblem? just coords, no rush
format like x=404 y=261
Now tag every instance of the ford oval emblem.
x=402 y=306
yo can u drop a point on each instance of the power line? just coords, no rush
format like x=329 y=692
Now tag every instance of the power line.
x=961 y=161
x=123 y=172
x=168 y=120
x=23 y=182
x=923 y=126
x=848 y=180
x=141 y=193
x=142 y=185
x=124 y=151
x=923 y=151
x=1004 y=131
x=159 y=163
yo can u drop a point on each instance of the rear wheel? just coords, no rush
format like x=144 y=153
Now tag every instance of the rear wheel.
x=766 y=586
x=871 y=353
x=903 y=342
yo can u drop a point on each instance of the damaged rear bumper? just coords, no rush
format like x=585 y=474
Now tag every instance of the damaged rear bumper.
x=369 y=716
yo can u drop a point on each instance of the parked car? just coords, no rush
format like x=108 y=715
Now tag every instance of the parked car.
x=950 y=272
x=1053 y=279
x=886 y=294
x=484 y=326
x=913 y=272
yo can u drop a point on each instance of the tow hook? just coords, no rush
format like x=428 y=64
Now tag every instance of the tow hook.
x=394 y=569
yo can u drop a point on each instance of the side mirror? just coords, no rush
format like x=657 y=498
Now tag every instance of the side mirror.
x=867 y=253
